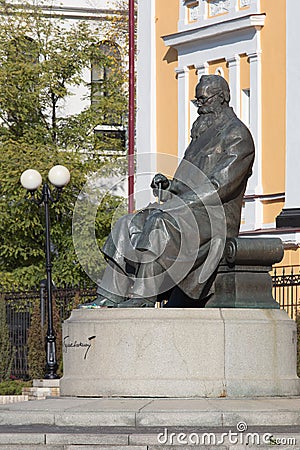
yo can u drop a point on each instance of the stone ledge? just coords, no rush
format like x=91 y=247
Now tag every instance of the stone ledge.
x=40 y=393
x=5 y=399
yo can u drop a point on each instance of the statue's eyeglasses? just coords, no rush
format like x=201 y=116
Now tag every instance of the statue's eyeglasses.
x=200 y=101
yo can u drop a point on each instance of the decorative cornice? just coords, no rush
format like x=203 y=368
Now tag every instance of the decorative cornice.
x=73 y=12
x=189 y=3
x=233 y=60
x=207 y=32
x=181 y=71
x=202 y=66
x=255 y=56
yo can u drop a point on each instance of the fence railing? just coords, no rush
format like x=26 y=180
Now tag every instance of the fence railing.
x=19 y=307
x=286 y=288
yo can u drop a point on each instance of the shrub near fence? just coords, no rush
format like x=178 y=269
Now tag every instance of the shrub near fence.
x=19 y=310
x=20 y=306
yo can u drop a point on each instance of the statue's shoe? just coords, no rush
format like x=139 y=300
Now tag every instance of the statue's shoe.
x=137 y=303
x=99 y=302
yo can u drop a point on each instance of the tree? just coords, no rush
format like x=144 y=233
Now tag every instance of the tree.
x=41 y=62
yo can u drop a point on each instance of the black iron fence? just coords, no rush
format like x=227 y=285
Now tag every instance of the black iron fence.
x=19 y=309
x=20 y=305
x=286 y=288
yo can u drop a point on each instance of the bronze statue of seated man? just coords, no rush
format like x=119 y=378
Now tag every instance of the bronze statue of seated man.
x=176 y=245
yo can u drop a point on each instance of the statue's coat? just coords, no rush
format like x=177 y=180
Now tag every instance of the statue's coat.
x=224 y=153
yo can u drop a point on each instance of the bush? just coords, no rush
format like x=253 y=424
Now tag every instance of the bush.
x=36 y=344
x=6 y=349
x=13 y=387
x=37 y=339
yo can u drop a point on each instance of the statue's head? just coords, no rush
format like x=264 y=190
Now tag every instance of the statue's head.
x=212 y=93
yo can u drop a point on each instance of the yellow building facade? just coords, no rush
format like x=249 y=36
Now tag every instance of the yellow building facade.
x=253 y=45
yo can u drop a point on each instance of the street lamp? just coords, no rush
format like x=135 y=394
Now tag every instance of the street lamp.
x=31 y=179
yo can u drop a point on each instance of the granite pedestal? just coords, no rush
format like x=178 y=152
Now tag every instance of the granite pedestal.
x=149 y=352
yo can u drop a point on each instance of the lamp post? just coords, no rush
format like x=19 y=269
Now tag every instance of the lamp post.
x=31 y=179
x=131 y=108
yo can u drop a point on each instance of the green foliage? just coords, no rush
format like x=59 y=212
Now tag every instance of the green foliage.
x=41 y=63
x=6 y=349
x=13 y=387
x=58 y=335
x=37 y=339
x=36 y=344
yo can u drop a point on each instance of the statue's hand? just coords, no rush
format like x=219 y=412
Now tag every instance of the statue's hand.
x=160 y=181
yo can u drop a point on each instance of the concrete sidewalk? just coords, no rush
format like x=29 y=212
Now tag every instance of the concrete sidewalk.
x=134 y=423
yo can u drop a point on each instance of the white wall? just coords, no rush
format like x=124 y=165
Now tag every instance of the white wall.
x=146 y=103
x=293 y=105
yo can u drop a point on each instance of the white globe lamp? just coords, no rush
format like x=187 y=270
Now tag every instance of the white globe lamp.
x=31 y=179
x=59 y=176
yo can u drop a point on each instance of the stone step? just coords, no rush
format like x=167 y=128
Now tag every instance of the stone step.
x=121 y=412
x=137 y=441
x=147 y=423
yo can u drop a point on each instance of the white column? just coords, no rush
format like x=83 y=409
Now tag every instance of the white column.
x=291 y=212
x=183 y=109
x=292 y=198
x=235 y=83
x=256 y=120
x=182 y=14
x=146 y=103
x=255 y=181
x=202 y=69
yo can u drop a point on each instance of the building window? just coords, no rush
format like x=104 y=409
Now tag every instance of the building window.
x=244 y=3
x=106 y=62
x=246 y=107
x=217 y=7
x=110 y=139
x=107 y=98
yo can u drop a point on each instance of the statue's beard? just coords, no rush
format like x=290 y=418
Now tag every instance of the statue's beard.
x=207 y=116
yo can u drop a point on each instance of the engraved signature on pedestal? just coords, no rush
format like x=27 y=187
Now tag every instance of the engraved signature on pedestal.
x=78 y=344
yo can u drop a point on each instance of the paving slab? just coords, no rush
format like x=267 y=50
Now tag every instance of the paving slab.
x=177 y=404
x=103 y=447
x=32 y=447
x=187 y=447
x=79 y=404
x=23 y=438
x=261 y=418
x=26 y=417
x=179 y=418
x=92 y=439
x=261 y=403
x=95 y=418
